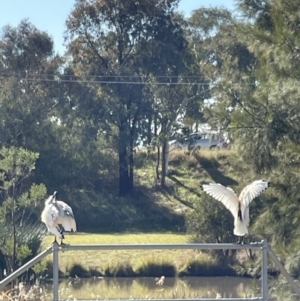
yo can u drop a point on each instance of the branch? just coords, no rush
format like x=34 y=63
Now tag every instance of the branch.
x=179 y=111
x=95 y=51
x=247 y=111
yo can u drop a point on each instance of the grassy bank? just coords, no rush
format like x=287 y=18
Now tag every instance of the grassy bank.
x=155 y=263
x=150 y=208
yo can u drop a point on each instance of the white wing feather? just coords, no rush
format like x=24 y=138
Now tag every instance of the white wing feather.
x=54 y=215
x=253 y=190
x=66 y=216
x=223 y=194
x=49 y=214
x=69 y=224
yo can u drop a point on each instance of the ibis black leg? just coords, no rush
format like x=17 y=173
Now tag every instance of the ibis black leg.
x=62 y=237
x=239 y=240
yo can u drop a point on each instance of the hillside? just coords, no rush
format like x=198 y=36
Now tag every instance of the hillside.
x=152 y=208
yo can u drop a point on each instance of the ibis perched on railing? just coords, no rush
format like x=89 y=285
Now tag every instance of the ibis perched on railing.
x=58 y=217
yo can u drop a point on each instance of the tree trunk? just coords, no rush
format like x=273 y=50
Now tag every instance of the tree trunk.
x=123 y=161
x=123 y=173
x=149 y=131
x=163 y=165
x=158 y=149
x=131 y=165
x=157 y=163
x=166 y=154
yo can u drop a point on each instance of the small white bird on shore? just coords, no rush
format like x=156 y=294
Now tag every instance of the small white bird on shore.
x=58 y=217
x=238 y=206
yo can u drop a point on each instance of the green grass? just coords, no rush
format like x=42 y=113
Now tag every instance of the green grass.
x=128 y=262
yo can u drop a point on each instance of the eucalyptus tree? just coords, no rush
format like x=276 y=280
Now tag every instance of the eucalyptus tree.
x=119 y=46
x=28 y=92
x=224 y=60
x=171 y=104
x=204 y=27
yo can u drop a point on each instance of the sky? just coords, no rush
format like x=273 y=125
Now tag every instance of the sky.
x=50 y=16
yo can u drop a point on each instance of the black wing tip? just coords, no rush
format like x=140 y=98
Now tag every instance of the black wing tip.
x=204 y=184
x=268 y=183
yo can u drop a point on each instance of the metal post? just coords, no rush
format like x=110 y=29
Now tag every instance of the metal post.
x=55 y=271
x=264 y=271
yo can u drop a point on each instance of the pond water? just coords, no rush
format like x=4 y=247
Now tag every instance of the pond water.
x=152 y=288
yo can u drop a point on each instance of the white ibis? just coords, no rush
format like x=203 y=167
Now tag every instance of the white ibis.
x=58 y=217
x=237 y=205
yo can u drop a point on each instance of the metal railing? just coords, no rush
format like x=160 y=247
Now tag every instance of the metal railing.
x=263 y=246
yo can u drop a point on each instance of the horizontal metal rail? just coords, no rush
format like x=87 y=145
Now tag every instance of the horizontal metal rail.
x=199 y=246
x=201 y=299
x=25 y=267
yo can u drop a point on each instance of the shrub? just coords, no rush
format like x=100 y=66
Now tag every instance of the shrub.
x=77 y=270
x=29 y=238
x=152 y=269
x=120 y=270
x=210 y=223
x=200 y=268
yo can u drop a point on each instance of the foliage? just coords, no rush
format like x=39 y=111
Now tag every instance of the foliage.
x=20 y=237
x=28 y=93
x=274 y=111
x=23 y=292
x=211 y=223
x=252 y=62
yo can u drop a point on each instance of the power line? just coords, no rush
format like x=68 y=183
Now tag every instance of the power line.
x=45 y=78
x=46 y=75
x=112 y=82
x=107 y=81
x=25 y=75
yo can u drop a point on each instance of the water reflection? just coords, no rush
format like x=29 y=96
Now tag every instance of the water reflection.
x=146 y=287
